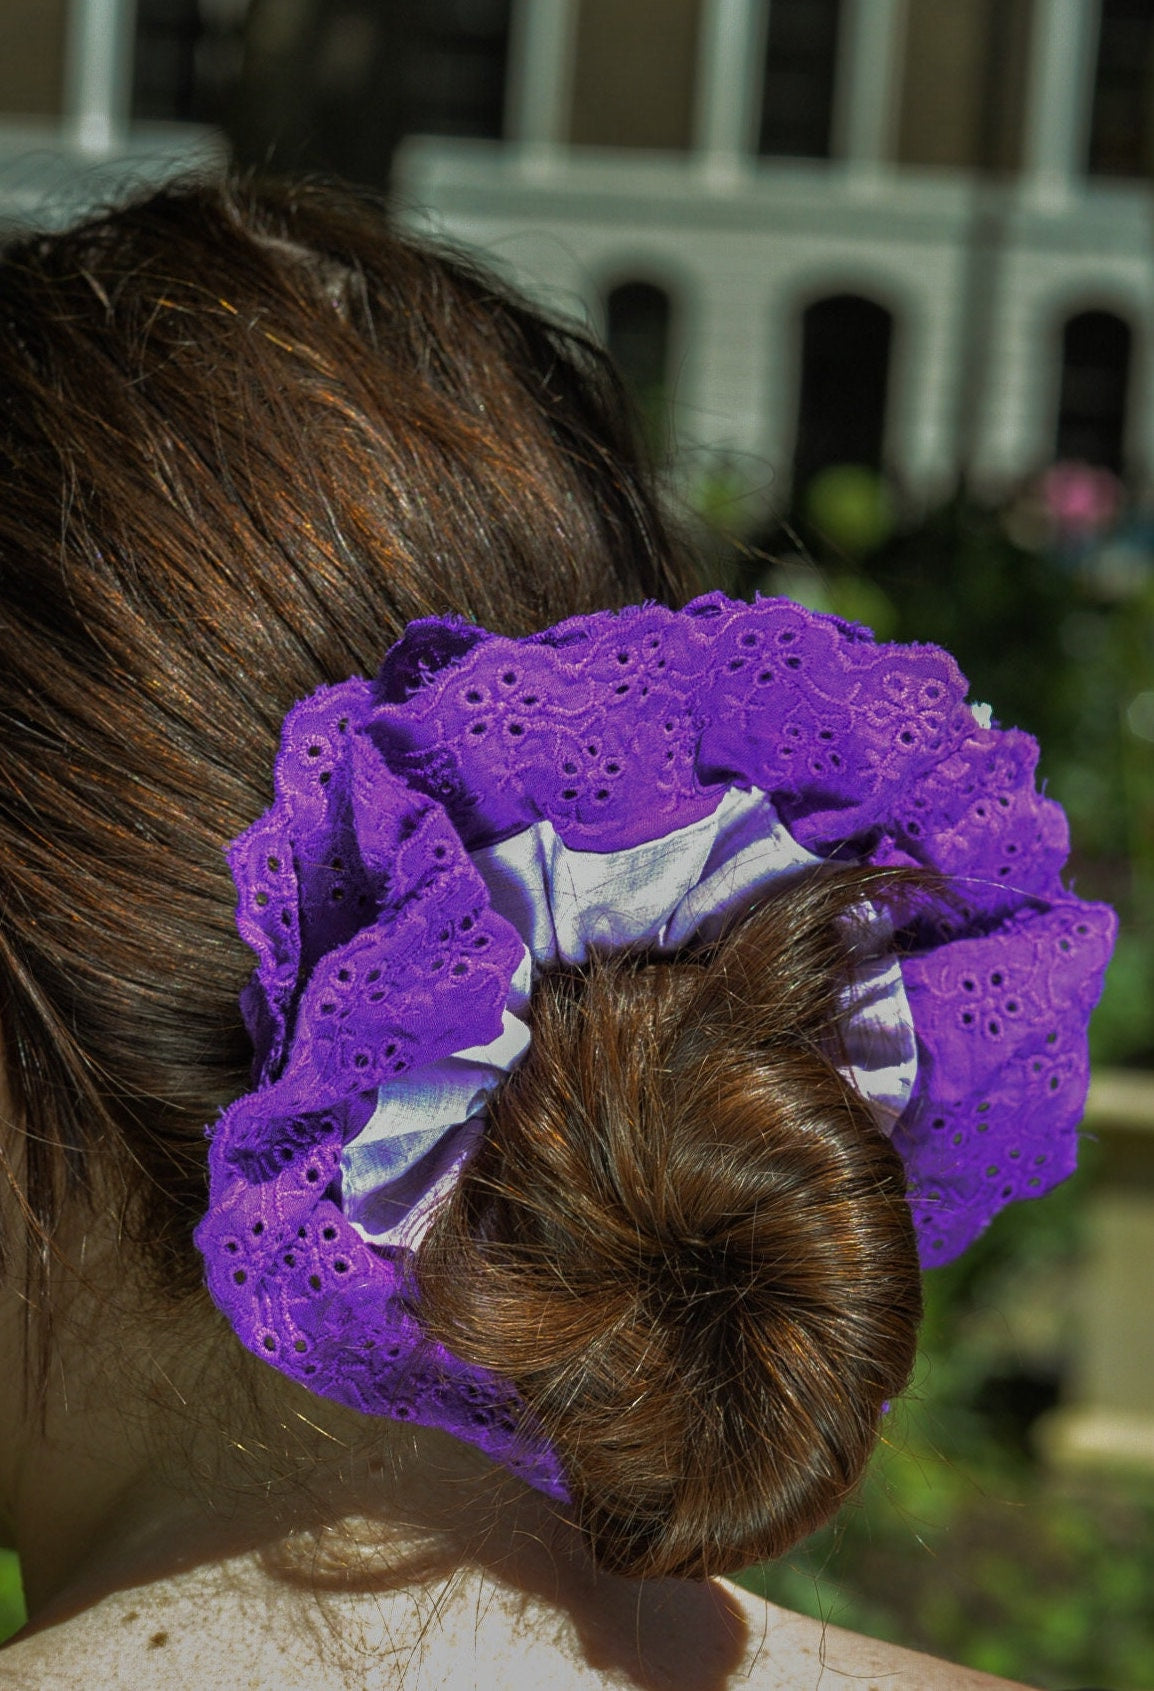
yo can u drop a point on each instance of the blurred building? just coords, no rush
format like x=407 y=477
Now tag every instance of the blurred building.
x=70 y=90
x=914 y=235
x=96 y=95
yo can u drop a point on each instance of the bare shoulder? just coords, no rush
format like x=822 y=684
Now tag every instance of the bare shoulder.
x=665 y=1636
x=606 y=1635
x=161 y=1639
x=790 y=1652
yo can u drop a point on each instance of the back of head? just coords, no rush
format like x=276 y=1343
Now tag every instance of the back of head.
x=246 y=436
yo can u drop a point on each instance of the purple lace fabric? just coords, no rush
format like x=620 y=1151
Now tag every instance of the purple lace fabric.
x=378 y=950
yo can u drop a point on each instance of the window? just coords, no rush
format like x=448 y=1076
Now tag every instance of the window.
x=324 y=84
x=845 y=365
x=963 y=91
x=637 y=331
x=32 y=57
x=1096 y=352
x=1122 y=121
x=800 y=73
x=171 y=69
x=456 y=53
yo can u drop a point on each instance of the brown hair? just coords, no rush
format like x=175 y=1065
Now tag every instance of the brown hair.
x=246 y=434
x=687 y=1241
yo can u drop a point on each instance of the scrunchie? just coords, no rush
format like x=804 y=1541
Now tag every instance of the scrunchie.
x=487 y=806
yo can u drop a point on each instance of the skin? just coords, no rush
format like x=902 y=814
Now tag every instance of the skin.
x=185 y=1516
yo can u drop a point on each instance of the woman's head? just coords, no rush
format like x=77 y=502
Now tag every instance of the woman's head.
x=245 y=436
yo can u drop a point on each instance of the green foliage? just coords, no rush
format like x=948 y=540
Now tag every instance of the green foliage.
x=1059 y=640
x=853 y=506
x=959 y=1543
x=12 y=1616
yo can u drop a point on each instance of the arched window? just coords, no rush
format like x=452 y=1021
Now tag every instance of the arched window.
x=845 y=363
x=1096 y=350
x=637 y=331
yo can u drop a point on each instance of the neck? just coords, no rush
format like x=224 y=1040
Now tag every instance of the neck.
x=146 y=1462
x=157 y=1439
x=171 y=1476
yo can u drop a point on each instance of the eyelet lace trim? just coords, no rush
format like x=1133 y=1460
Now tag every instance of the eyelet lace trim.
x=378 y=950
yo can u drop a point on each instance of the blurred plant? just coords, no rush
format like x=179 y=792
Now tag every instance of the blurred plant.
x=1080 y=502
x=1061 y=646
x=720 y=498
x=12 y=1615
x=852 y=507
x=959 y=1543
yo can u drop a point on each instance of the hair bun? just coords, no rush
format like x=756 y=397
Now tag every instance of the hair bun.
x=686 y=1241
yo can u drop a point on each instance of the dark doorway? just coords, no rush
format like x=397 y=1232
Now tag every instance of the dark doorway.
x=637 y=329
x=1096 y=351
x=845 y=363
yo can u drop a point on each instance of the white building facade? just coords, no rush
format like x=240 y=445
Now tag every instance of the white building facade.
x=980 y=272
x=880 y=231
x=67 y=141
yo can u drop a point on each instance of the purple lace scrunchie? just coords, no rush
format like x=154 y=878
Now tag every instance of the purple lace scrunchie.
x=487 y=805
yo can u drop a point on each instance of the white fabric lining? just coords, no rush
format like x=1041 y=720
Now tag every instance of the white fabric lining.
x=564 y=903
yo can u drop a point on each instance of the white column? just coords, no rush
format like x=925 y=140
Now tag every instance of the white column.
x=730 y=378
x=1014 y=433
x=870 y=54
x=919 y=401
x=98 y=75
x=542 y=41
x=1063 y=55
x=729 y=79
